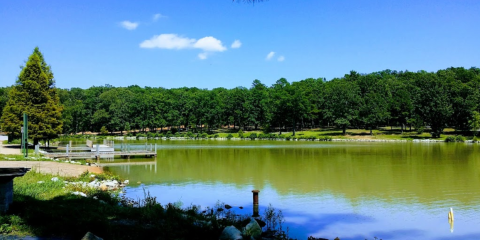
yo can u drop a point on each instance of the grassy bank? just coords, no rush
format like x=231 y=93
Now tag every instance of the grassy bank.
x=47 y=208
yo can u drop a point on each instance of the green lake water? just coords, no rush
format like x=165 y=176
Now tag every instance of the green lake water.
x=352 y=190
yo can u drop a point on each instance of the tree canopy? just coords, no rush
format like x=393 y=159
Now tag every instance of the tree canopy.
x=422 y=100
x=34 y=93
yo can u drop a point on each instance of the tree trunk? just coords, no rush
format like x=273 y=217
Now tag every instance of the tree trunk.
x=371 y=133
x=294 y=128
x=344 y=129
x=402 y=126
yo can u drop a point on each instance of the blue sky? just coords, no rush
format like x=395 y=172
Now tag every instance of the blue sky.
x=172 y=44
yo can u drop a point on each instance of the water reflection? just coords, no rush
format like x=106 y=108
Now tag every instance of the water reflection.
x=354 y=191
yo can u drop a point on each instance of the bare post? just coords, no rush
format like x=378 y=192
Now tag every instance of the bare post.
x=255 y=203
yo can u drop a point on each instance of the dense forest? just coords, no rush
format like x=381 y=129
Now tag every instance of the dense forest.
x=447 y=98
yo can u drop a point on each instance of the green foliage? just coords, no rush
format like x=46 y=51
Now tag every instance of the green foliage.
x=450 y=139
x=447 y=98
x=240 y=133
x=103 y=130
x=252 y=136
x=420 y=129
x=34 y=94
x=474 y=122
x=229 y=136
x=458 y=138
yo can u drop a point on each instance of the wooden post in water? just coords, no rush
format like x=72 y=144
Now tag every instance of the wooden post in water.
x=255 y=203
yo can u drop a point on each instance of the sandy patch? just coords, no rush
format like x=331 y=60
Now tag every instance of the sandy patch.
x=62 y=169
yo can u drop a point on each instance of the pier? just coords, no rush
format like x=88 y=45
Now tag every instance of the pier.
x=106 y=150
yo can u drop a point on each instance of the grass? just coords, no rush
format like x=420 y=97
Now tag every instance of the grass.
x=46 y=208
x=385 y=133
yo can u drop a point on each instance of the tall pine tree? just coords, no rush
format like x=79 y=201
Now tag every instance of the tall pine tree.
x=34 y=93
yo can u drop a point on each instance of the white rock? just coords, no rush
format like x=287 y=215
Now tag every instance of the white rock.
x=92 y=175
x=54 y=179
x=79 y=194
x=40 y=182
x=126 y=182
x=231 y=233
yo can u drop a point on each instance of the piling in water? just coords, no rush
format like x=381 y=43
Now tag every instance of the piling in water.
x=255 y=203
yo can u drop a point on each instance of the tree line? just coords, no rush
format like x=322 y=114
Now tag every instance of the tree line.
x=434 y=100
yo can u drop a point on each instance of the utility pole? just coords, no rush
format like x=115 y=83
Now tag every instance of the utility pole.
x=25 y=135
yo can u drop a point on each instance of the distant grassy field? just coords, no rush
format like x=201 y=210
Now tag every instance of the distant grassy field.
x=382 y=133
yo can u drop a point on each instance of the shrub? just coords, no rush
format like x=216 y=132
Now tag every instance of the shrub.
x=103 y=130
x=288 y=138
x=190 y=135
x=420 y=130
x=450 y=139
x=229 y=136
x=475 y=139
x=253 y=136
x=460 y=138
x=215 y=136
x=204 y=135
x=240 y=133
x=150 y=135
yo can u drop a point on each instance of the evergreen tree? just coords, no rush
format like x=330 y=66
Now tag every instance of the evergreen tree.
x=34 y=93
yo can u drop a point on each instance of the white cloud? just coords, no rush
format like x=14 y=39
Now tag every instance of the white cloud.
x=168 y=41
x=203 y=55
x=236 y=44
x=173 y=41
x=158 y=16
x=129 y=25
x=281 y=58
x=210 y=44
x=270 y=55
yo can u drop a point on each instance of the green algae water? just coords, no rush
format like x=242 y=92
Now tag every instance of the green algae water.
x=352 y=190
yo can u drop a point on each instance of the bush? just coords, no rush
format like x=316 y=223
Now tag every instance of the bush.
x=204 y=135
x=240 y=133
x=215 y=136
x=288 y=138
x=460 y=138
x=190 y=135
x=103 y=130
x=420 y=130
x=253 y=136
x=150 y=135
x=450 y=139
x=229 y=136
x=476 y=139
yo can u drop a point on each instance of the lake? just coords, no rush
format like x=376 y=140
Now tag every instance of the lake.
x=352 y=190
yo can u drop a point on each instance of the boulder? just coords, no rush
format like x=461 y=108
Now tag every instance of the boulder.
x=231 y=233
x=91 y=236
x=253 y=229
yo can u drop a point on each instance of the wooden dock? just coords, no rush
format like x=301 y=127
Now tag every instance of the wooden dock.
x=95 y=155
x=98 y=151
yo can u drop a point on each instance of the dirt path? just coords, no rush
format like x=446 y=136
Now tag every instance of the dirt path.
x=10 y=149
x=62 y=169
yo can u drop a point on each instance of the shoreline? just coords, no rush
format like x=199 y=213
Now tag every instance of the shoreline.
x=296 y=140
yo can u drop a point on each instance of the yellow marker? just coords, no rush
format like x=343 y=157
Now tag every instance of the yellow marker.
x=450 y=215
